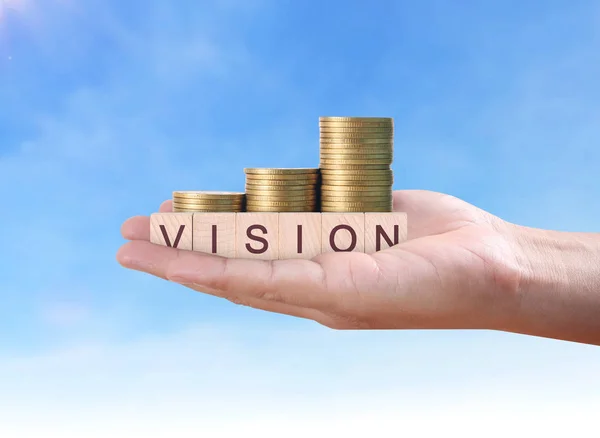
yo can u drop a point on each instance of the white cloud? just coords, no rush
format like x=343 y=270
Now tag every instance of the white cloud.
x=223 y=380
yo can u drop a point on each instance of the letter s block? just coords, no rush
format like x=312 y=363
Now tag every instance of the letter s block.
x=172 y=229
x=256 y=236
x=383 y=230
x=342 y=232
x=214 y=233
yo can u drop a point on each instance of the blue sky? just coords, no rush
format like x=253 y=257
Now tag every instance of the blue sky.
x=106 y=107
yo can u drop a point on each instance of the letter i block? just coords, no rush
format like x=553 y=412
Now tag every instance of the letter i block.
x=172 y=229
x=342 y=232
x=214 y=233
x=256 y=235
x=384 y=230
x=299 y=235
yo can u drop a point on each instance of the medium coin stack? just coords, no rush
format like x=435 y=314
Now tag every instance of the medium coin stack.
x=356 y=154
x=281 y=190
x=208 y=201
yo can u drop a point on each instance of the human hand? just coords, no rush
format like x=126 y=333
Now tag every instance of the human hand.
x=458 y=269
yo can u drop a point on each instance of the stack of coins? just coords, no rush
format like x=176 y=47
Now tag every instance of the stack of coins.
x=356 y=155
x=281 y=190
x=208 y=201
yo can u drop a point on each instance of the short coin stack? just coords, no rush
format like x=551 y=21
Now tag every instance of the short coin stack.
x=208 y=201
x=356 y=154
x=281 y=190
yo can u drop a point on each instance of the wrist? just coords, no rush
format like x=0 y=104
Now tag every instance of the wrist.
x=558 y=294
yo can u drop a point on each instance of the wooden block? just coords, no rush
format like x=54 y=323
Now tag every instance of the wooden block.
x=214 y=233
x=256 y=236
x=342 y=232
x=299 y=235
x=383 y=230
x=172 y=229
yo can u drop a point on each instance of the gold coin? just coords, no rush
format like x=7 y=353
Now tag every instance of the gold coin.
x=204 y=204
x=281 y=209
x=282 y=194
x=360 y=172
x=178 y=209
x=201 y=201
x=261 y=188
x=382 y=192
x=281 y=204
x=355 y=189
x=277 y=177
x=356 y=136
x=354 y=157
x=359 y=149
x=354 y=142
x=279 y=182
x=280 y=171
x=280 y=191
x=352 y=174
x=352 y=125
x=252 y=198
x=362 y=130
x=329 y=166
x=365 y=205
x=355 y=176
x=349 y=161
x=357 y=119
x=207 y=194
x=386 y=209
x=376 y=184
x=356 y=197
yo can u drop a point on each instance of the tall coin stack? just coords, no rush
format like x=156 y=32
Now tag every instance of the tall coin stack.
x=356 y=155
x=281 y=190
x=208 y=201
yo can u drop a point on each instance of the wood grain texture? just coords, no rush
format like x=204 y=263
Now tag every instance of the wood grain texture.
x=257 y=236
x=214 y=233
x=299 y=235
x=383 y=230
x=342 y=232
x=172 y=229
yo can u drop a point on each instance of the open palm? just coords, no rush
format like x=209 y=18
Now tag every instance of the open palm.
x=454 y=271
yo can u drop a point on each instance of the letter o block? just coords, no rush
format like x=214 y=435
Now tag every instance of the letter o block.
x=342 y=232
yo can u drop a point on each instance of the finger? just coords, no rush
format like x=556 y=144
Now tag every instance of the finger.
x=297 y=282
x=269 y=306
x=136 y=228
x=126 y=258
x=166 y=207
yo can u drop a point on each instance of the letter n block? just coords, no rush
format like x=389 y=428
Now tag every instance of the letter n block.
x=299 y=235
x=342 y=232
x=172 y=229
x=214 y=233
x=384 y=230
x=256 y=236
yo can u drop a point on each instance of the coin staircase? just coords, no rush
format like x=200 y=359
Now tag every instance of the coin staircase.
x=344 y=205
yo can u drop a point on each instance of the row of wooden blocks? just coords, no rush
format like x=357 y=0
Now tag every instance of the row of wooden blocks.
x=271 y=236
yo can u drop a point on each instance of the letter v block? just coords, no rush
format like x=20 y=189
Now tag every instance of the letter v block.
x=172 y=229
x=384 y=230
x=214 y=233
x=342 y=232
x=256 y=236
